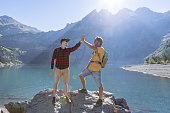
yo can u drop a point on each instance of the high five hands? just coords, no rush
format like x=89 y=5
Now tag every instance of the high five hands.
x=83 y=38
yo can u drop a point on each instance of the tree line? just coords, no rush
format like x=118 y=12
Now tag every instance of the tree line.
x=163 y=59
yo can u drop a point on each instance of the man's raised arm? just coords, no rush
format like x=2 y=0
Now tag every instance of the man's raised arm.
x=88 y=44
x=71 y=49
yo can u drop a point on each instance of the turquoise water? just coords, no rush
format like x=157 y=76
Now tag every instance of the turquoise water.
x=144 y=93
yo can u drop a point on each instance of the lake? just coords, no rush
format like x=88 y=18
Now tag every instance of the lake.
x=143 y=93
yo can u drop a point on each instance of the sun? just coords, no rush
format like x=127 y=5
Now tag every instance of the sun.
x=110 y=4
x=109 y=1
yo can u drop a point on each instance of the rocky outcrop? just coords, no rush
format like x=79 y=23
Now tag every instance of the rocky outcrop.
x=81 y=103
x=3 y=110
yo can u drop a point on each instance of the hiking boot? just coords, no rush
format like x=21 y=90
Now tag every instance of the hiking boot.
x=54 y=100
x=99 y=103
x=67 y=99
x=82 y=91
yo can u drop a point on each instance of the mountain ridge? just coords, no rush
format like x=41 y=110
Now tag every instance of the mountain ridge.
x=9 y=26
x=126 y=34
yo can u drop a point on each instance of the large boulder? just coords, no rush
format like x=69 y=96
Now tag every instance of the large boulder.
x=81 y=103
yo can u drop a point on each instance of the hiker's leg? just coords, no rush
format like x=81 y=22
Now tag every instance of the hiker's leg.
x=65 y=89
x=97 y=77
x=56 y=80
x=65 y=75
x=100 y=92
x=82 y=75
x=82 y=81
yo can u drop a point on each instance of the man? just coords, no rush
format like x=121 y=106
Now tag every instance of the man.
x=61 y=55
x=94 y=67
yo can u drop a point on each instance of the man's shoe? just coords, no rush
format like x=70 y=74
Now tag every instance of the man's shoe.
x=54 y=100
x=67 y=99
x=82 y=91
x=99 y=103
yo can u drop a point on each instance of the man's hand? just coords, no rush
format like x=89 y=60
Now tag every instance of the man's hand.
x=88 y=44
x=83 y=38
x=52 y=71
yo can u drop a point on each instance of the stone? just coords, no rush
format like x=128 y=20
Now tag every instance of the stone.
x=121 y=102
x=81 y=103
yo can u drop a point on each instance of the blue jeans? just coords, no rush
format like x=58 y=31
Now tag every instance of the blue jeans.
x=96 y=75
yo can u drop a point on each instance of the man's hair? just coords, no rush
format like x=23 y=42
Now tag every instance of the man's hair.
x=100 y=39
x=64 y=39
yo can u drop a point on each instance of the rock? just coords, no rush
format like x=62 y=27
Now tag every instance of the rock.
x=17 y=107
x=3 y=110
x=121 y=102
x=81 y=103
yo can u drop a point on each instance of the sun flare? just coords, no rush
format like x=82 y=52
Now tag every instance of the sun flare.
x=109 y=1
x=110 y=4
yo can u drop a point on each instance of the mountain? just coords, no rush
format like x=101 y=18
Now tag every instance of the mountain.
x=9 y=26
x=162 y=54
x=31 y=40
x=128 y=36
x=10 y=56
x=164 y=47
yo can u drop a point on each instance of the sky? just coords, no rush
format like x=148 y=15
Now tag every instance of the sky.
x=47 y=15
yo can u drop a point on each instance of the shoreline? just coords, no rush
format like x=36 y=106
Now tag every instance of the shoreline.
x=10 y=65
x=161 y=70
